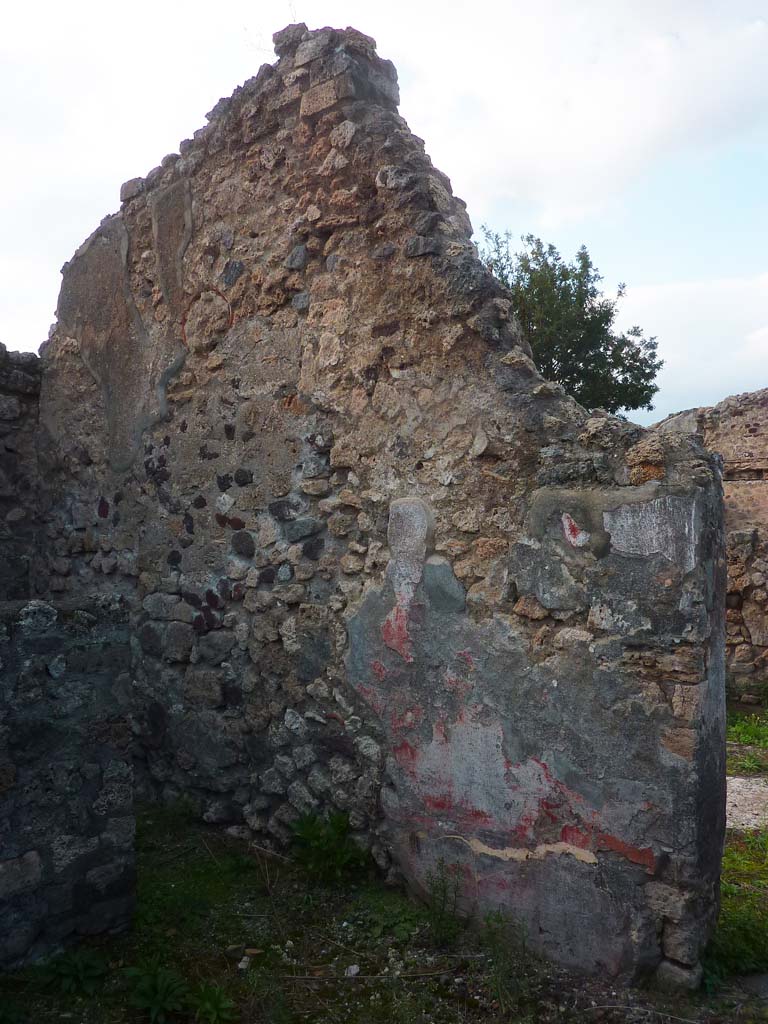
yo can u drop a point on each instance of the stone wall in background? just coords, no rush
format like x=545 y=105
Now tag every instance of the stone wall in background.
x=66 y=772
x=19 y=495
x=66 y=778
x=372 y=561
x=737 y=429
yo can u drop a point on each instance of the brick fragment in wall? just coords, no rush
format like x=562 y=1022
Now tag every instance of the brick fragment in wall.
x=369 y=559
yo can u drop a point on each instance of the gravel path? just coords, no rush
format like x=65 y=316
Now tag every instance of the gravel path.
x=747 y=803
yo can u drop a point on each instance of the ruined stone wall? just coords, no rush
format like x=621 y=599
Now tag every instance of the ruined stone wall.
x=737 y=428
x=66 y=774
x=66 y=817
x=19 y=504
x=372 y=560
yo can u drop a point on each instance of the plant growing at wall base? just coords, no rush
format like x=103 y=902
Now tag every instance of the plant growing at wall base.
x=325 y=849
x=740 y=942
x=79 y=972
x=397 y=924
x=211 y=1005
x=157 y=990
x=510 y=964
x=443 y=890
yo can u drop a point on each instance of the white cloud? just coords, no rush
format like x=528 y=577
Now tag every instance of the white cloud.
x=756 y=343
x=557 y=105
x=571 y=102
x=713 y=337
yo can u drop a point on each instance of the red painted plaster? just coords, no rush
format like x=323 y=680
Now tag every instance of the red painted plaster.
x=574 y=534
x=372 y=697
x=635 y=854
x=573 y=835
x=456 y=685
x=410 y=718
x=395 y=633
x=443 y=802
x=406 y=756
x=477 y=817
x=466 y=656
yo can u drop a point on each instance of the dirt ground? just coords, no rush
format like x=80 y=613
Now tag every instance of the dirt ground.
x=747 y=802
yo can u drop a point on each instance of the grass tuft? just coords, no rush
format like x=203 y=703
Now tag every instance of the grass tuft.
x=750 y=730
x=740 y=943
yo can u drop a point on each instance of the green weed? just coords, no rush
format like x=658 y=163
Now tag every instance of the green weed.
x=157 y=990
x=387 y=914
x=750 y=730
x=80 y=972
x=510 y=965
x=444 y=888
x=10 y=1014
x=269 y=997
x=211 y=1005
x=324 y=848
x=740 y=942
x=747 y=764
x=170 y=900
x=757 y=844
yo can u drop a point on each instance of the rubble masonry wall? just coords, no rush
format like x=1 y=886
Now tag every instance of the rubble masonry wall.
x=371 y=560
x=737 y=429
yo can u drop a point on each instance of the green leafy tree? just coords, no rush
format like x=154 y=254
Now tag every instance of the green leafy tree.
x=569 y=324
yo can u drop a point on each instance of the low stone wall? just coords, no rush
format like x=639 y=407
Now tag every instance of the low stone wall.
x=239 y=715
x=747 y=614
x=737 y=428
x=66 y=818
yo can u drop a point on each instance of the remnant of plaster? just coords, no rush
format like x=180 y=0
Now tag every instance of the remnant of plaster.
x=664 y=526
x=409 y=533
x=395 y=634
x=574 y=534
x=520 y=854
x=411 y=528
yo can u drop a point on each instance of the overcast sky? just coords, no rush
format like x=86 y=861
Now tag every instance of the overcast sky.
x=637 y=127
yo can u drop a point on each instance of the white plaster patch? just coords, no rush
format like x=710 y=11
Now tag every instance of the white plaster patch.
x=622 y=617
x=666 y=526
x=467 y=762
x=410 y=534
x=464 y=764
x=574 y=534
x=411 y=528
